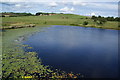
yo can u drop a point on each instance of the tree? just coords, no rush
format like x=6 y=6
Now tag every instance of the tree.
x=99 y=19
x=110 y=18
x=117 y=19
x=94 y=18
x=37 y=14
x=99 y=16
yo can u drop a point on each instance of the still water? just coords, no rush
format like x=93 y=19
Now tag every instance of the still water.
x=90 y=51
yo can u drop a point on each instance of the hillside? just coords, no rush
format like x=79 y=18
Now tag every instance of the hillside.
x=57 y=19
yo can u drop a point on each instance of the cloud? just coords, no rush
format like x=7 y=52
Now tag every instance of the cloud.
x=82 y=8
x=21 y=5
x=18 y=5
x=53 y=4
x=12 y=0
x=105 y=5
x=79 y=3
x=72 y=9
x=93 y=14
x=64 y=2
x=58 y=0
x=68 y=10
x=7 y=3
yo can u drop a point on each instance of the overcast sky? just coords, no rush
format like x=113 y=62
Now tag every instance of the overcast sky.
x=88 y=7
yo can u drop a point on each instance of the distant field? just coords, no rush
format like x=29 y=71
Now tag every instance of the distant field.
x=59 y=19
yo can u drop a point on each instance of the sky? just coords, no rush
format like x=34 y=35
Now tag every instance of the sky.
x=80 y=7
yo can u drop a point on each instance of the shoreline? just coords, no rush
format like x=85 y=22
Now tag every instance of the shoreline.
x=79 y=25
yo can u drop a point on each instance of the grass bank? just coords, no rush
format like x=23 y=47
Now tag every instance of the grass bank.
x=16 y=63
x=59 y=19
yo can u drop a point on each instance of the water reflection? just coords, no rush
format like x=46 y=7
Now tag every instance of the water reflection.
x=90 y=51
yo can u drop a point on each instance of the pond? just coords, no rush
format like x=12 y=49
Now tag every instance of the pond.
x=92 y=52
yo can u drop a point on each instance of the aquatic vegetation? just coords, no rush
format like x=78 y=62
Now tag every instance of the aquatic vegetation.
x=20 y=64
x=29 y=47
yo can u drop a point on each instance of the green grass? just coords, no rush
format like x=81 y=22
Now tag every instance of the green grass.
x=40 y=20
x=60 y=19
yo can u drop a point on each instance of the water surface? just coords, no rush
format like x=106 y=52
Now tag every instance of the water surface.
x=89 y=51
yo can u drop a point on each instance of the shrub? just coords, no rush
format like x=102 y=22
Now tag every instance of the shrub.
x=85 y=23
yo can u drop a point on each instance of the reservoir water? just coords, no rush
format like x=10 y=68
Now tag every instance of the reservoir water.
x=92 y=52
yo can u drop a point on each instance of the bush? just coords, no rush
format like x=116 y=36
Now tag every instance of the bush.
x=45 y=22
x=85 y=23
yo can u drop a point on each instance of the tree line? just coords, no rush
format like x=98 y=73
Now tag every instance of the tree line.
x=41 y=13
x=11 y=14
x=95 y=18
x=102 y=20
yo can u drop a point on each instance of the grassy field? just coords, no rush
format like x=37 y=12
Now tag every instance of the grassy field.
x=59 y=19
